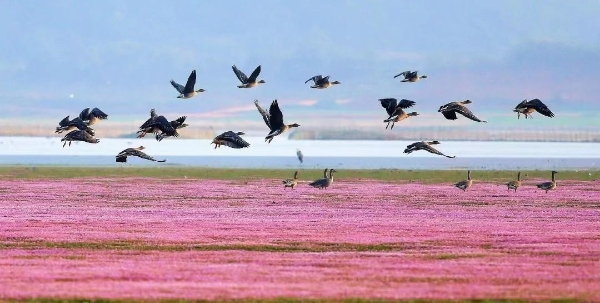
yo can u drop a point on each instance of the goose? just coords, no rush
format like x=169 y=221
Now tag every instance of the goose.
x=548 y=185
x=145 y=128
x=91 y=117
x=449 y=111
x=291 y=182
x=324 y=182
x=528 y=107
x=137 y=152
x=465 y=184
x=514 y=184
x=176 y=124
x=321 y=82
x=274 y=120
x=300 y=155
x=426 y=146
x=248 y=82
x=410 y=76
x=159 y=125
x=66 y=125
x=231 y=139
x=187 y=91
x=395 y=110
x=79 y=135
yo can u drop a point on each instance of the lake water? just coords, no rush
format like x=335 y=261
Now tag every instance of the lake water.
x=281 y=153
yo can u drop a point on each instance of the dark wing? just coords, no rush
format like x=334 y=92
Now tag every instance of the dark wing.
x=240 y=75
x=414 y=145
x=450 y=115
x=121 y=159
x=126 y=152
x=164 y=125
x=84 y=115
x=263 y=113
x=178 y=87
x=98 y=113
x=315 y=79
x=405 y=74
x=141 y=154
x=522 y=104
x=404 y=103
x=79 y=135
x=463 y=110
x=323 y=80
x=77 y=122
x=189 y=85
x=232 y=140
x=276 y=116
x=389 y=104
x=540 y=107
x=435 y=151
x=64 y=122
x=254 y=75
x=178 y=122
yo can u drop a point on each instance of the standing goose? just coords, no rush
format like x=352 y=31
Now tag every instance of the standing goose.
x=449 y=111
x=396 y=111
x=321 y=82
x=134 y=152
x=426 y=146
x=324 y=182
x=79 y=135
x=548 y=185
x=528 y=107
x=231 y=139
x=176 y=124
x=274 y=120
x=465 y=184
x=514 y=184
x=247 y=82
x=410 y=76
x=91 y=117
x=187 y=91
x=291 y=182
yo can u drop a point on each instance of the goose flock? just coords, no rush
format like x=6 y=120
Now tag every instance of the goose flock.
x=78 y=129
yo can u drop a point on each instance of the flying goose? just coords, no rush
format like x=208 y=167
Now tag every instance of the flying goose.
x=528 y=107
x=91 y=117
x=514 y=184
x=548 y=185
x=145 y=128
x=321 y=82
x=465 y=184
x=449 y=110
x=324 y=182
x=247 y=82
x=426 y=146
x=137 y=152
x=274 y=120
x=159 y=125
x=395 y=110
x=291 y=182
x=231 y=139
x=79 y=135
x=410 y=76
x=187 y=91
x=66 y=125
x=176 y=124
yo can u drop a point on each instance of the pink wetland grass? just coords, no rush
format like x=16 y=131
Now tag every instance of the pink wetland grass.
x=137 y=238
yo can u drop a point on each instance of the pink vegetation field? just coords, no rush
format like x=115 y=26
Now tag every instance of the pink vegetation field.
x=204 y=239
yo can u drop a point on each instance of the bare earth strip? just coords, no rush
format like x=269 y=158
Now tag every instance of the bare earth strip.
x=151 y=239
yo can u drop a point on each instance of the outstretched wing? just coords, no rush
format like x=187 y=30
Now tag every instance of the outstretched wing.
x=64 y=122
x=389 y=104
x=240 y=75
x=404 y=103
x=84 y=115
x=141 y=154
x=96 y=112
x=164 y=125
x=263 y=113
x=463 y=110
x=522 y=104
x=450 y=115
x=191 y=81
x=323 y=80
x=276 y=116
x=77 y=122
x=254 y=75
x=314 y=79
x=178 y=122
x=405 y=74
x=435 y=151
x=178 y=87
x=541 y=107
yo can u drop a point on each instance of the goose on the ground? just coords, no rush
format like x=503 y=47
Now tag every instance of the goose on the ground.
x=550 y=185
x=291 y=182
x=465 y=184
x=324 y=182
x=514 y=185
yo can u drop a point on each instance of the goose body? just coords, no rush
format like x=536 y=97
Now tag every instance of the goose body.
x=324 y=182
x=528 y=107
x=300 y=155
x=465 y=184
x=410 y=76
x=321 y=82
x=175 y=124
x=66 y=125
x=449 y=110
x=426 y=146
x=79 y=135
x=514 y=185
x=395 y=110
x=187 y=91
x=134 y=152
x=274 y=120
x=291 y=182
x=231 y=139
x=548 y=185
x=248 y=82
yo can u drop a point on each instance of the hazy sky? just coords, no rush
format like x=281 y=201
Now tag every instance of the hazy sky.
x=57 y=57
